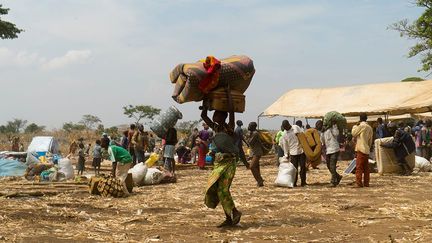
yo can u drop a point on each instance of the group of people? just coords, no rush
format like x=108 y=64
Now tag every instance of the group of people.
x=302 y=147
x=125 y=152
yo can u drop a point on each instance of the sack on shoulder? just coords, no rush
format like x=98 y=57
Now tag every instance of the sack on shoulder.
x=266 y=140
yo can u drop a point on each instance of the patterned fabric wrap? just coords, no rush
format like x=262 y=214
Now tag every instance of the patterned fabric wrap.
x=235 y=70
x=110 y=186
x=213 y=68
x=219 y=182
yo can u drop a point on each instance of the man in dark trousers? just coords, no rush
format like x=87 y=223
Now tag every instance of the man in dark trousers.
x=403 y=145
x=239 y=142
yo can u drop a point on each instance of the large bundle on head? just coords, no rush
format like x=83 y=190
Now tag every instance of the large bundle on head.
x=207 y=78
x=331 y=116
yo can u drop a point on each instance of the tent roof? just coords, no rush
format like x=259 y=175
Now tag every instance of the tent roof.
x=373 y=99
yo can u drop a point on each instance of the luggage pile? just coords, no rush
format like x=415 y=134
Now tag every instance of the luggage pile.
x=331 y=116
x=387 y=162
x=207 y=81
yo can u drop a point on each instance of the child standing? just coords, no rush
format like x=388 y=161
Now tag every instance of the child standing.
x=81 y=158
x=97 y=157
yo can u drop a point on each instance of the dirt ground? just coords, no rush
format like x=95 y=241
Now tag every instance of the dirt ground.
x=393 y=209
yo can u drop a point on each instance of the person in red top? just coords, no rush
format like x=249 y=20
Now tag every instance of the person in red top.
x=130 y=145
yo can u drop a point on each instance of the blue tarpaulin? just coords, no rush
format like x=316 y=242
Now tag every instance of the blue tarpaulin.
x=10 y=167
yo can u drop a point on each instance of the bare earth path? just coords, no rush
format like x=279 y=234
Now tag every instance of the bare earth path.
x=393 y=209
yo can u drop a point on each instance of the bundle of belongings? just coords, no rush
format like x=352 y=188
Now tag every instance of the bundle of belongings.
x=109 y=186
x=208 y=81
x=286 y=174
x=11 y=167
x=395 y=156
x=144 y=173
x=41 y=169
x=311 y=143
x=335 y=116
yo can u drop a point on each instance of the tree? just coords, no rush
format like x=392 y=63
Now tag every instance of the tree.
x=14 y=126
x=185 y=127
x=100 y=129
x=139 y=112
x=421 y=30
x=8 y=30
x=412 y=79
x=112 y=132
x=34 y=128
x=90 y=121
x=70 y=127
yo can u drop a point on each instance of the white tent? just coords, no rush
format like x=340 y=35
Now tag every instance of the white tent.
x=373 y=99
x=44 y=144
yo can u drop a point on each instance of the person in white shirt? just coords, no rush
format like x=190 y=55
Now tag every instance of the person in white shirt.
x=293 y=150
x=332 y=152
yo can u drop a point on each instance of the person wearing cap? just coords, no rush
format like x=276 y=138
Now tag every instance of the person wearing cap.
x=220 y=179
x=239 y=142
x=364 y=134
x=140 y=142
x=255 y=145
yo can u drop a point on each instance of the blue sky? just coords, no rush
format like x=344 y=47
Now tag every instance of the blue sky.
x=81 y=57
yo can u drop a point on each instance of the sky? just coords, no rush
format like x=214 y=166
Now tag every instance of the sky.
x=80 y=57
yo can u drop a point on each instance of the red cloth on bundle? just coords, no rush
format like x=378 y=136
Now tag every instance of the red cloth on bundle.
x=212 y=67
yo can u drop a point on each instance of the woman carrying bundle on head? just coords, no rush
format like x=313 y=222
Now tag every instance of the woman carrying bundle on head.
x=219 y=182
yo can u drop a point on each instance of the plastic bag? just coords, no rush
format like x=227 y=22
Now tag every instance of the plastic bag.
x=31 y=159
x=154 y=157
x=153 y=176
x=422 y=164
x=138 y=172
x=65 y=167
x=286 y=175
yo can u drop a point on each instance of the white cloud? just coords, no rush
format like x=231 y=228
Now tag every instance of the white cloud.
x=10 y=58
x=22 y=58
x=71 y=57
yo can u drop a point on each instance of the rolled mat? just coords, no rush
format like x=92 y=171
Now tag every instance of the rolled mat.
x=237 y=71
x=312 y=155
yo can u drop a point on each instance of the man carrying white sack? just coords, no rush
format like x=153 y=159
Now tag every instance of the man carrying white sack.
x=124 y=161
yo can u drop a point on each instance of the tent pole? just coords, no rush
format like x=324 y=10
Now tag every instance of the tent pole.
x=258 y=119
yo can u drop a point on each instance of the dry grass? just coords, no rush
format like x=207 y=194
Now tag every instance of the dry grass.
x=393 y=209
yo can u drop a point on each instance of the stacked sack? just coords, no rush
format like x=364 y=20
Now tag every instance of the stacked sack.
x=206 y=80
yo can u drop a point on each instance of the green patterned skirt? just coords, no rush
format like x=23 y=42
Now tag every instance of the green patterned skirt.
x=219 y=182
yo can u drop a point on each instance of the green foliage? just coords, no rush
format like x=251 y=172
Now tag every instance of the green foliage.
x=421 y=30
x=70 y=127
x=34 y=128
x=13 y=127
x=90 y=121
x=100 y=129
x=412 y=79
x=8 y=30
x=187 y=126
x=112 y=132
x=140 y=112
